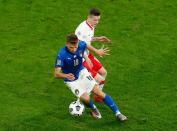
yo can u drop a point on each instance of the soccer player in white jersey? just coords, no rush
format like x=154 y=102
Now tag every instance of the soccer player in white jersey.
x=85 y=32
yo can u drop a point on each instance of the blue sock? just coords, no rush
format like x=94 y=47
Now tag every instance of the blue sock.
x=109 y=102
x=90 y=104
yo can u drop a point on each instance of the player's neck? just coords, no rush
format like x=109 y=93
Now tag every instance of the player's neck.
x=89 y=24
x=69 y=50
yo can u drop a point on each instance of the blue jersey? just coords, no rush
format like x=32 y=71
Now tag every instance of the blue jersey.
x=71 y=62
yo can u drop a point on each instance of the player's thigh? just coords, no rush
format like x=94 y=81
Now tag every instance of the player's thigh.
x=99 y=78
x=88 y=82
x=85 y=98
x=93 y=72
x=96 y=90
x=102 y=71
x=84 y=84
x=98 y=67
x=96 y=64
x=76 y=88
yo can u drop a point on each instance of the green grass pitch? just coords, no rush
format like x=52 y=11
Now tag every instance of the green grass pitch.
x=142 y=67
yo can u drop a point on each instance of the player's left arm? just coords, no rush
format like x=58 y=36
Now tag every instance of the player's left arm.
x=101 y=52
x=101 y=39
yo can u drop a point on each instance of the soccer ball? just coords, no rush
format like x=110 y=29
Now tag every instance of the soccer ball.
x=76 y=108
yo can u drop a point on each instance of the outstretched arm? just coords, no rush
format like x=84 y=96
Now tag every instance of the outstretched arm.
x=102 y=51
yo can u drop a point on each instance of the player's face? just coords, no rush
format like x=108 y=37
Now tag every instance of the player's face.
x=72 y=47
x=94 y=20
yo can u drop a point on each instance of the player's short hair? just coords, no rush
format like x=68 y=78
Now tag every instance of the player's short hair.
x=71 y=38
x=94 y=11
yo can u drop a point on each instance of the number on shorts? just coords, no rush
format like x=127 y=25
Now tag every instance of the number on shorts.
x=90 y=78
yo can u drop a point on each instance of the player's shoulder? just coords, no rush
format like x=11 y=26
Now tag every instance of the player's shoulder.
x=62 y=53
x=82 y=44
x=82 y=26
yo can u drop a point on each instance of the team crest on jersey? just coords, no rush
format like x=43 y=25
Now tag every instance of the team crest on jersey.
x=79 y=33
x=80 y=53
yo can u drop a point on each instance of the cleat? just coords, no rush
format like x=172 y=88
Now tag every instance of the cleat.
x=97 y=99
x=96 y=114
x=121 y=117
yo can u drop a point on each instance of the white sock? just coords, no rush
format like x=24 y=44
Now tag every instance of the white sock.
x=94 y=106
x=117 y=113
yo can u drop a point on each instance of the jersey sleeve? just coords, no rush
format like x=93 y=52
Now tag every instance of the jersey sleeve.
x=83 y=46
x=59 y=61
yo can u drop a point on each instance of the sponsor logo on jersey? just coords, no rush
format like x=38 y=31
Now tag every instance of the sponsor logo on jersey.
x=80 y=53
x=79 y=33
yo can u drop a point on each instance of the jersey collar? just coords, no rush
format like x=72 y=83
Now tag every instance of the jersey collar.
x=69 y=51
x=91 y=27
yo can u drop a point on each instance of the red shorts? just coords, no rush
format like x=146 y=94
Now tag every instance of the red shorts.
x=96 y=65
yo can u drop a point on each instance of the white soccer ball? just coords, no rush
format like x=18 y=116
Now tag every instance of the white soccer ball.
x=76 y=108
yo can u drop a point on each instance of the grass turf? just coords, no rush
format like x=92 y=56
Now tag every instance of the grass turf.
x=142 y=67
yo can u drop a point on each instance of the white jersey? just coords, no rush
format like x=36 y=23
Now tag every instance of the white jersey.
x=85 y=32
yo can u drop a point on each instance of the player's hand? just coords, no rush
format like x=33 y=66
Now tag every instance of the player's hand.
x=103 y=39
x=103 y=51
x=69 y=76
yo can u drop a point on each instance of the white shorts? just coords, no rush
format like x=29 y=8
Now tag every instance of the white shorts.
x=84 y=84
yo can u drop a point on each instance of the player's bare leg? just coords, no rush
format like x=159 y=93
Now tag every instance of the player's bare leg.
x=110 y=103
x=94 y=111
x=100 y=80
x=102 y=72
x=85 y=98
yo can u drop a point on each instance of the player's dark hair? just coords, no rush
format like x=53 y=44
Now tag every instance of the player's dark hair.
x=94 y=11
x=71 y=38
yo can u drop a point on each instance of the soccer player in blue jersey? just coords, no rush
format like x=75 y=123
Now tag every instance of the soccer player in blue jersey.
x=69 y=66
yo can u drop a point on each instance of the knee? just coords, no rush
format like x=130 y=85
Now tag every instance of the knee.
x=98 y=92
x=85 y=98
x=103 y=73
x=99 y=78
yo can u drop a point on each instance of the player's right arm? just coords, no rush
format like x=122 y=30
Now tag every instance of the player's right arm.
x=59 y=64
x=101 y=39
x=58 y=74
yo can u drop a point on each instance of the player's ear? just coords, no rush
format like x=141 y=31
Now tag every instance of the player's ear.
x=88 y=17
